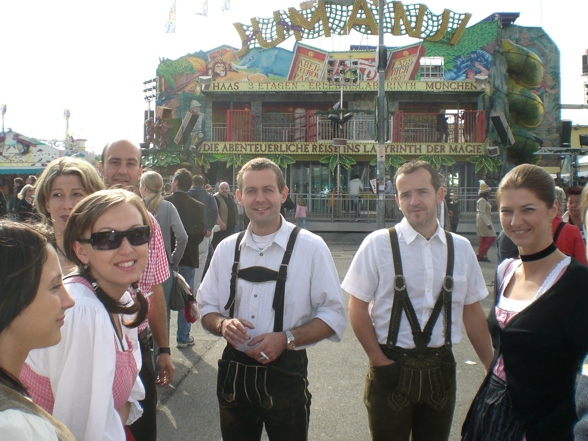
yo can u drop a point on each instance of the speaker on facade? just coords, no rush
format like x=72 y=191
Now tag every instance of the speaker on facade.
x=382 y=58
x=502 y=128
x=492 y=151
x=566 y=133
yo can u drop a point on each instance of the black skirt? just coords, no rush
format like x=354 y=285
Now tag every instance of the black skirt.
x=490 y=417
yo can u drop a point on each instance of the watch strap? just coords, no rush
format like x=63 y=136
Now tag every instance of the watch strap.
x=160 y=351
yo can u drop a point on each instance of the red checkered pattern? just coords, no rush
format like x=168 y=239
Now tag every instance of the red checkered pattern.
x=38 y=387
x=157 y=268
x=124 y=376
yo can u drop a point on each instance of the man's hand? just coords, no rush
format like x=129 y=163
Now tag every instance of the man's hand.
x=208 y=233
x=166 y=369
x=234 y=331
x=222 y=226
x=267 y=347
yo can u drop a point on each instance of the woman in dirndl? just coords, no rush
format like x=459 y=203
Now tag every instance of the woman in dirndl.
x=538 y=324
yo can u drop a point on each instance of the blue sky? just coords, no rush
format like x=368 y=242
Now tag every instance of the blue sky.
x=92 y=57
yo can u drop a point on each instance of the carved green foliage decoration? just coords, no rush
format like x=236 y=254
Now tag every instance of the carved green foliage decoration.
x=282 y=161
x=345 y=161
x=437 y=160
x=485 y=163
x=391 y=161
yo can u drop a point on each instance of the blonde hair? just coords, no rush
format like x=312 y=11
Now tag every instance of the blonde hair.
x=91 y=180
x=23 y=192
x=154 y=183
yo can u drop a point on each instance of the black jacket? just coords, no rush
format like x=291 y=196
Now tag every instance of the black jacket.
x=543 y=347
x=192 y=215
x=201 y=195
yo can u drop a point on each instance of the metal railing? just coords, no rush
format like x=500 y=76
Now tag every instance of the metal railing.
x=465 y=126
x=332 y=207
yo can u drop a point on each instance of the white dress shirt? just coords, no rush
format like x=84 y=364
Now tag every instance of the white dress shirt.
x=371 y=276
x=312 y=285
x=81 y=369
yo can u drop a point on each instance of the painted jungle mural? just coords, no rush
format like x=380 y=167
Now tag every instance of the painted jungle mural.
x=515 y=68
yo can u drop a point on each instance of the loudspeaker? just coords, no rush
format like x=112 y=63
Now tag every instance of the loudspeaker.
x=382 y=58
x=502 y=128
x=566 y=133
x=492 y=151
x=164 y=112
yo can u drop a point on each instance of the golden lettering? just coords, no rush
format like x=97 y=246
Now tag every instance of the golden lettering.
x=400 y=15
x=354 y=20
x=319 y=14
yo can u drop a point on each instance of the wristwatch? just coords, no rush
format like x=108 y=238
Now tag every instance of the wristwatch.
x=290 y=341
x=162 y=351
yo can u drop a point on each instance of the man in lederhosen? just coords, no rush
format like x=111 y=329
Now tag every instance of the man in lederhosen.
x=271 y=292
x=418 y=279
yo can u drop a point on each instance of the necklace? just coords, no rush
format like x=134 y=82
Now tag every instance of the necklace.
x=540 y=255
x=61 y=252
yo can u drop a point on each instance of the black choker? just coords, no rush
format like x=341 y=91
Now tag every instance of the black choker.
x=540 y=255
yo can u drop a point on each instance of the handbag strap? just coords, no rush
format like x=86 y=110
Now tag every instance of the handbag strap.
x=558 y=230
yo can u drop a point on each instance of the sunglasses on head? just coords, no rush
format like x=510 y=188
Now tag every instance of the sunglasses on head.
x=110 y=240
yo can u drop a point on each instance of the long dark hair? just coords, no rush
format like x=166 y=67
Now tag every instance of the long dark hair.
x=23 y=253
x=81 y=219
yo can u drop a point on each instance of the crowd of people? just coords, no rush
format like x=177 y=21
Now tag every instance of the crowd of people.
x=88 y=266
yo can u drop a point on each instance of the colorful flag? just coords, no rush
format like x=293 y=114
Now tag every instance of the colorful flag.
x=226 y=5
x=170 y=24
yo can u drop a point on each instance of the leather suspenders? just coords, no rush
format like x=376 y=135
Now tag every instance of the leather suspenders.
x=402 y=301
x=260 y=274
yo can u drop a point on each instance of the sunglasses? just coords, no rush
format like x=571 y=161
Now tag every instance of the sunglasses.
x=111 y=240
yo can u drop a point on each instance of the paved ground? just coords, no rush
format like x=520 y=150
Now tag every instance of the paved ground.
x=189 y=410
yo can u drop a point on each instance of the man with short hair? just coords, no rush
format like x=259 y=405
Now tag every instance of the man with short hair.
x=412 y=287
x=227 y=214
x=268 y=318
x=120 y=165
x=201 y=195
x=192 y=216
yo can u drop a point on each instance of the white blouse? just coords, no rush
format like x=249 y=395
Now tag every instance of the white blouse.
x=81 y=369
x=21 y=426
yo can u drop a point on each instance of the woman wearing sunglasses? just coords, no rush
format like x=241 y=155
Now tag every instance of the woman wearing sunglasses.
x=32 y=309
x=64 y=183
x=89 y=380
